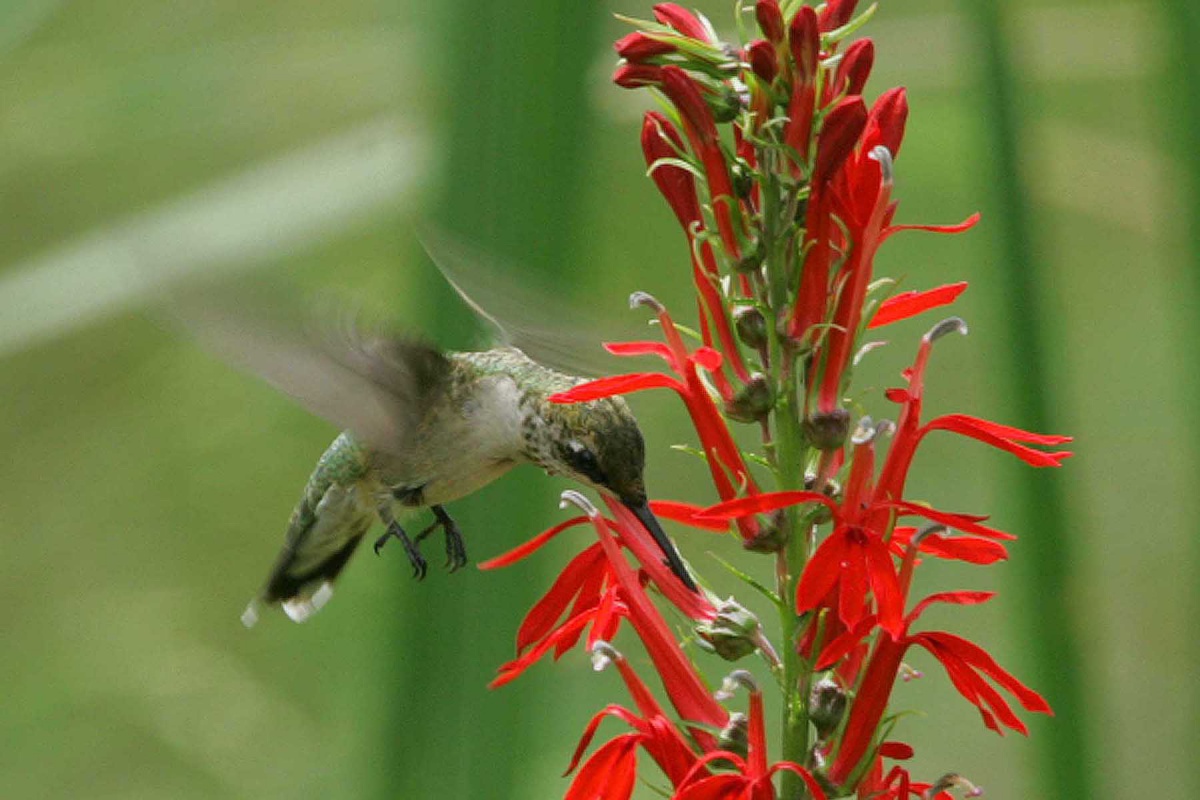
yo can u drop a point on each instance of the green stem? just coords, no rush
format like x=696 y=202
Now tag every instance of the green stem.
x=789 y=450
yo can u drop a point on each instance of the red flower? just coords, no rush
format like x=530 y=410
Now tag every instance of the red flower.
x=728 y=469
x=965 y=663
x=611 y=770
x=751 y=779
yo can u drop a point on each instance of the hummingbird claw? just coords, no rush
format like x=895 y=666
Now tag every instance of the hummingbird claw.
x=456 y=548
x=394 y=531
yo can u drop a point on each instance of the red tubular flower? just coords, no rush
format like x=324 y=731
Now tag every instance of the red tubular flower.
x=635 y=76
x=701 y=131
x=804 y=41
x=661 y=141
x=608 y=773
x=726 y=465
x=751 y=779
x=965 y=663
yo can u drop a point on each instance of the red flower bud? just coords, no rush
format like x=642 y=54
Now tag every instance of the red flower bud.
x=855 y=67
x=682 y=20
x=678 y=86
x=661 y=140
x=761 y=55
x=637 y=47
x=804 y=38
x=836 y=14
x=887 y=120
x=770 y=20
x=635 y=76
x=839 y=133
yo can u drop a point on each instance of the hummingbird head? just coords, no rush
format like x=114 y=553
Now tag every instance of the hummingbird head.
x=599 y=444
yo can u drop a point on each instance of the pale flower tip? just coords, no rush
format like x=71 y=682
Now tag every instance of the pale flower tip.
x=603 y=655
x=646 y=300
x=739 y=677
x=572 y=497
x=884 y=157
x=952 y=780
x=946 y=327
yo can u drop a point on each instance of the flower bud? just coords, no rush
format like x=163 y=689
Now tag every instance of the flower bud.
x=770 y=537
x=826 y=705
x=751 y=326
x=735 y=737
x=732 y=633
x=827 y=430
x=753 y=401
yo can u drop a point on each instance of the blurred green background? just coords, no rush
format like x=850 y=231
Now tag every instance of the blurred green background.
x=145 y=484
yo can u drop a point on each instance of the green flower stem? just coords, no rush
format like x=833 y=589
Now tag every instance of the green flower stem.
x=788 y=451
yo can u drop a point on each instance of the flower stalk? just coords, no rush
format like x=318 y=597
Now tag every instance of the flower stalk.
x=782 y=178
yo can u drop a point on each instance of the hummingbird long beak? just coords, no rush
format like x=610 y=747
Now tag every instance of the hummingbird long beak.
x=650 y=523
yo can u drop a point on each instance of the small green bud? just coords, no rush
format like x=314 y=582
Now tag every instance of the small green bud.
x=770 y=538
x=753 y=401
x=743 y=178
x=735 y=737
x=827 y=430
x=826 y=705
x=732 y=633
x=725 y=104
x=753 y=259
x=751 y=326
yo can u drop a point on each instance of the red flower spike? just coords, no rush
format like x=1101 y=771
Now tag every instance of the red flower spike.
x=909 y=304
x=855 y=67
x=689 y=24
x=637 y=47
x=770 y=19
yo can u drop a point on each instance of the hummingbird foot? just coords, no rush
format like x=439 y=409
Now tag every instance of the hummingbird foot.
x=394 y=531
x=456 y=548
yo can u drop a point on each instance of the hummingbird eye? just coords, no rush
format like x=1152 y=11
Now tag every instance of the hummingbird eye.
x=584 y=461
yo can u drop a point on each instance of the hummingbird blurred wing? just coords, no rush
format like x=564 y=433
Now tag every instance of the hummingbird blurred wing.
x=497 y=294
x=375 y=384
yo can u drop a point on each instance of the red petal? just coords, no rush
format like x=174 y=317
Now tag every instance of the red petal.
x=856 y=66
x=954 y=598
x=546 y=611
x=706 y=358
x=639 y=46
x=804 y=38
x=523 y=550
x=963 y=548
x=898 y=751
x=616 y=384
x=770 y=19
x=687 y=514
x=968 y=523
x=635 y=76
x=886 y=587
x=821 y=573
x=814 y=789
x=966 y=224
x=513 y=669
x=639 y=349
x=589 y=732
x=762 y=503
x=1004 y=438
x=909 y=304
x=979 y=658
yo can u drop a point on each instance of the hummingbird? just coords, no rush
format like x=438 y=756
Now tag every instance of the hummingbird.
x=423 y=427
